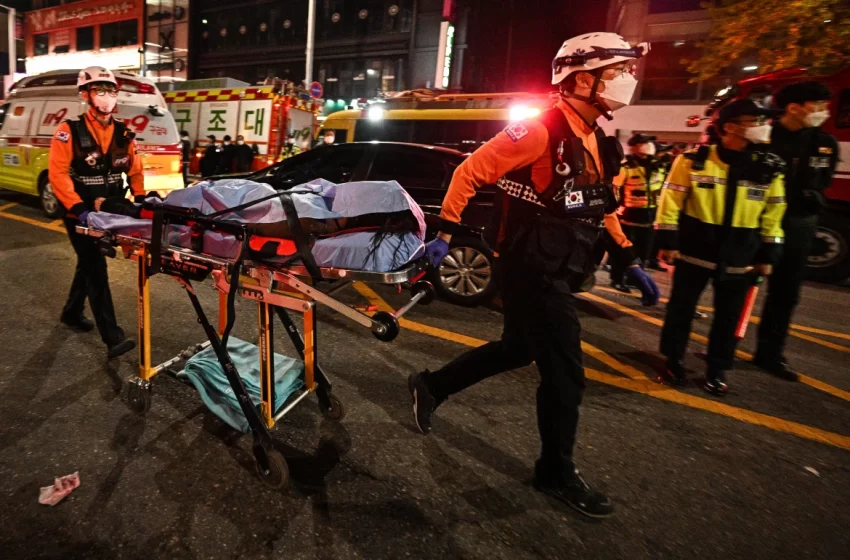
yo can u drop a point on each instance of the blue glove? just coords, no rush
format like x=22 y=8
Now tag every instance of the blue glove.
x=83 y=218
x=646 y=285
x=436 y=250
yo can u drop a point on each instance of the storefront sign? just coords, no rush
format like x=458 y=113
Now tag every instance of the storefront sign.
x=92 y=12
x=444 y=55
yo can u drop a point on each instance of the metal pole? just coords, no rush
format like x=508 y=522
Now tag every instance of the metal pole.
x=311 y=39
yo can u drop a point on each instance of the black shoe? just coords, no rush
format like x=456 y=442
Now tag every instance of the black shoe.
x=79 y=323
x=120 y=348
x=621 y=287
x=576 y=493
x=715 y=383
x=779 y=368
x=424 y=402
x=674 y=373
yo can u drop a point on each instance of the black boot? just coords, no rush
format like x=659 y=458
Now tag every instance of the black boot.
x=778 y=367
x=573 y=491
x=674 y=373
x=78 y=323
x=715 y=382
x=424 y=403
x=119 y=348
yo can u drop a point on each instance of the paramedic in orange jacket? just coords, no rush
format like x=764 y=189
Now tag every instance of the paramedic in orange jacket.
x=88 y=158
x=555 y=173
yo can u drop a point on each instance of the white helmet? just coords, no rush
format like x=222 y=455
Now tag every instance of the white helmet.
x=94 y=75
x=589 y=52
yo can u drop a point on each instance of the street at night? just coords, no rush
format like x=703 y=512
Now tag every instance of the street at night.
x=761 y=473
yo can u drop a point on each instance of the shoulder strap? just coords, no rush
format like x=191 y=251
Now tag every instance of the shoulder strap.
x=80 y=132
x=699 y=157
x=121 y=136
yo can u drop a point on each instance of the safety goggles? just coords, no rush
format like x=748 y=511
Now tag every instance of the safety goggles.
x=100 y=91
x=582 y=58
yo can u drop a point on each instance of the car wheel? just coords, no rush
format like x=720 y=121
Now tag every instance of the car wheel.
x=465 y=276
x=829 y=259
x=49 y=203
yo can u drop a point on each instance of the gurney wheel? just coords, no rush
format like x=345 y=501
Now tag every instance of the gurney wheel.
x=277 y=476
x=426 y=287
x=139 y=398
x=334 y=413
x=389 y=325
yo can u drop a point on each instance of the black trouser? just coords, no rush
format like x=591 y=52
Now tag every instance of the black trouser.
x=186 y=173
x=91 y=280
x=783 y=286
x=541 y=325
x=643 y=239
x=729 y=294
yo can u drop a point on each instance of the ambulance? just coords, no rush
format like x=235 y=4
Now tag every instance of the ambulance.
x=265 y=115
x=38 y=104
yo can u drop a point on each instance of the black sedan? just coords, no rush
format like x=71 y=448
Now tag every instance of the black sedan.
x=465 y=276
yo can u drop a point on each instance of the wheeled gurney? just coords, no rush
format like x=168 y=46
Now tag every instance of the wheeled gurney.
x=295 y=285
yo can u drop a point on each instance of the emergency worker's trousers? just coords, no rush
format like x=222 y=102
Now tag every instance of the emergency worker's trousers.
x=643 y=242
x=91 y=281
x=689 y=281
x=540 y=325
x=783 y=286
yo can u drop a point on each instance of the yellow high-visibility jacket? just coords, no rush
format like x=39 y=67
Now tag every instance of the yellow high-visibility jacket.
x=638 y=195
x=722 y=216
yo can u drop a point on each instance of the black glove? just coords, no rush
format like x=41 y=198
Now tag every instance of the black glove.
x=121 y=206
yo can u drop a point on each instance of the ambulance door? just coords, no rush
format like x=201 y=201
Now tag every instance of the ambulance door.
x=15 y=146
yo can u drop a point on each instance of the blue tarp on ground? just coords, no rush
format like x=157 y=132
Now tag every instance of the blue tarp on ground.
x=207 y=375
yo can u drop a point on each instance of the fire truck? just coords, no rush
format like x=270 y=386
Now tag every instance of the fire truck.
x=829 y=260
x=265 y=115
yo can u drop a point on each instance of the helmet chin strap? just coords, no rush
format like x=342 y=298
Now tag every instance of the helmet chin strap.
x=592 y=99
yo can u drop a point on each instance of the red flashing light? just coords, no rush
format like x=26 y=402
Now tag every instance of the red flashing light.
x=132 y=86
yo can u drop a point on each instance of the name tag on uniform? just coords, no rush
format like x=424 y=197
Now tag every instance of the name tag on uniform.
x=819 y=162
x=703 y=185
x=756 y=194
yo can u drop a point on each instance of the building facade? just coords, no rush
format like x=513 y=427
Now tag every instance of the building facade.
x=362 y=47
x=667 y=93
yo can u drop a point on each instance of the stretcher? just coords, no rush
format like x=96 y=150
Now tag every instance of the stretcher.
x=279 y=289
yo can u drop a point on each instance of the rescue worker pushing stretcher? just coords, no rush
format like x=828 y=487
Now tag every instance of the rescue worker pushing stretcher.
x=88 y=158
x=555 y=173
x=719 y=219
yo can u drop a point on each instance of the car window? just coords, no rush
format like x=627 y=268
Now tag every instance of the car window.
x=335 y=164
x=412 y=169
x=387 y=130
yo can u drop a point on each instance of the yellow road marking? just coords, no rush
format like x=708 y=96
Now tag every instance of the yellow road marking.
x=30 y=221
x=757 y=320
x=56 y=223
x=7 y=206
x=805 y=379
x=640 y=385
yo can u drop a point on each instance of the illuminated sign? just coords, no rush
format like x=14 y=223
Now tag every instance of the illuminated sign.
x=92 y=12
x=444 y=54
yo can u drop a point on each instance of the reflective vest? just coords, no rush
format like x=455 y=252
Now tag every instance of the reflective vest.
x=95 y=173
x=289 y=151
x=638 y=195
x=721 y=216
x=554 y=232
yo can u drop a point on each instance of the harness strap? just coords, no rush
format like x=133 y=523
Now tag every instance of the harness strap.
x=300 y=238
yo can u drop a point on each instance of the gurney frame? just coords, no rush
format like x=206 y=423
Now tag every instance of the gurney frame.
x=277 y=291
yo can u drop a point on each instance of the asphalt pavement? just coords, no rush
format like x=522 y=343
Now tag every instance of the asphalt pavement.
x=761 y=473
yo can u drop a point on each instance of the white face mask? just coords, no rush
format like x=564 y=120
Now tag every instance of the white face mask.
x=816 y=119
x=104 y=103
x=647 y=149
x=758 y=134
x=619 y=91
x=240 y=142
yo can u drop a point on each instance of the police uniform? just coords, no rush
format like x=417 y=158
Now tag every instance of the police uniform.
x=548 y=226
x=87 y=161
x=289 y=150
x=638 y=187
x=722 y=210
x=811 y=156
